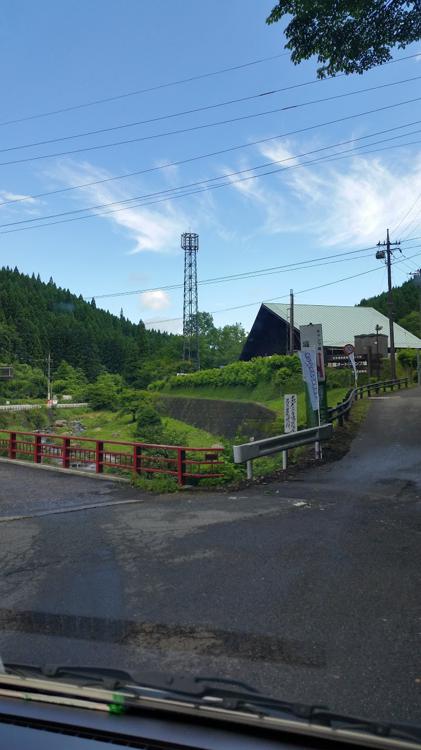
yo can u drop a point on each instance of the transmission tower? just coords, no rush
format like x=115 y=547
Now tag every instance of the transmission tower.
x=190 y=245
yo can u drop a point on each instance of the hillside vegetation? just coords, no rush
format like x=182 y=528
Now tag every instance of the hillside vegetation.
x=261 y=379
x=405 y=303
x=38 y=318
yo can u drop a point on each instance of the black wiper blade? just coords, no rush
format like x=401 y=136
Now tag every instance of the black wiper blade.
x=218 y=692
x=196 y=686
x=395 y=730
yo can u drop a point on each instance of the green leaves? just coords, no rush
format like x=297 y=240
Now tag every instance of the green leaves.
x=349 y=36
x=278 y=369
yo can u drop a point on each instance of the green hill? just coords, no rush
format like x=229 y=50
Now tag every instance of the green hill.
x=37 y=318
x=406 y=306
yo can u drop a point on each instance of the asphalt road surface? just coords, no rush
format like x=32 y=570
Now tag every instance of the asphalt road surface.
x=308 y=589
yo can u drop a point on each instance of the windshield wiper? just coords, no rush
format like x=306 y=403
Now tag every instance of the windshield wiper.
x=218 y=692
x=113 y=679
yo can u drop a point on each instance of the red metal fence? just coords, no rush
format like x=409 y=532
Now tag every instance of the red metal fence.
x=112 y=455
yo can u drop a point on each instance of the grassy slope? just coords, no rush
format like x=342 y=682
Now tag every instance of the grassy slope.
x=263 y=394
x=107 y=425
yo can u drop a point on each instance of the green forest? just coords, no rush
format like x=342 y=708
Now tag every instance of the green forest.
x=406 y=306
x=38 y=318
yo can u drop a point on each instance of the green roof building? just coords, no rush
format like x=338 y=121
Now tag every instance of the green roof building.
x=341 y=323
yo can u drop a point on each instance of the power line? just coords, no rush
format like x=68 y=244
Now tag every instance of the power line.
x=407 y=213
x=203 y=126
x=210 y=154
x=211 y=179
x=207 y=107
x=200 y=76
x=285 y=296
x=299 y=265
x=173 y=195
x=203 y=156
x=159 y=86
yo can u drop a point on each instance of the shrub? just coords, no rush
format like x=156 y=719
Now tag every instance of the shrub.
x=149 y=428
x=247 y=374
x=158 y=485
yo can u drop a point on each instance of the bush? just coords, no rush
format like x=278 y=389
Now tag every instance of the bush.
x=37 y=419
x=149 y=428
x=157 y=485
x=408 y=358
x=105 y=392
x=239 y=373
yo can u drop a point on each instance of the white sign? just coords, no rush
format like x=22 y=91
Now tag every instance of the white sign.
x=312 y=338
x=308 y=363
x=290 y=412
x=353 y=365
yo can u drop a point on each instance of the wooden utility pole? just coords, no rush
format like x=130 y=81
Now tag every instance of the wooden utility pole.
x=389 y=254
x=291 y=321
x=416 y=276
x=49 y=378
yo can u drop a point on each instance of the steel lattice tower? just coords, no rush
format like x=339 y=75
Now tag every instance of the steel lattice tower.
x=190 y=245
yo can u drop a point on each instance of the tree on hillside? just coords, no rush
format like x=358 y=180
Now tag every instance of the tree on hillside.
x=131 y=401
x=405 y=301
x=149 y=428
x=105 y=393
x=348 y=36
x=412 y=323
x=70 y=380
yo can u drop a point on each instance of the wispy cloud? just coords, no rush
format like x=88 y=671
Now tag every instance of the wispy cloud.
x=151 y=229
x=350 y=202
x=6 y=195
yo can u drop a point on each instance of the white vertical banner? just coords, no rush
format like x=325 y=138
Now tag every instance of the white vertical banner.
x=354 y=366
x=309 y=366
x=312 y=338
x=290 y=412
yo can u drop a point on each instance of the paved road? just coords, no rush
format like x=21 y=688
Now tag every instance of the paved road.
x=309 y=589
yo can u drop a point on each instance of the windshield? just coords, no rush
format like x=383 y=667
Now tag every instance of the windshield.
x=210 y=337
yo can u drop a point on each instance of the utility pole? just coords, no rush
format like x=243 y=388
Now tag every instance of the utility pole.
x=378 y=329
x=49 y=378
x=416 y=276
x=291 y=321
x=380 y=255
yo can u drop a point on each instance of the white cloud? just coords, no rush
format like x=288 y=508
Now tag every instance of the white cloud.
x=156 y=300
x=5 y=195
x=151 y=229
x=349 y=202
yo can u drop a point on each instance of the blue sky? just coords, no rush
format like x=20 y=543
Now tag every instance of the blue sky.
x=55 y=55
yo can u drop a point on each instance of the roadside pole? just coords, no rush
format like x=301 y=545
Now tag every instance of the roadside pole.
x=380 y=255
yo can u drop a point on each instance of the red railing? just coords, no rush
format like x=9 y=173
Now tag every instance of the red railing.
x=112 y=455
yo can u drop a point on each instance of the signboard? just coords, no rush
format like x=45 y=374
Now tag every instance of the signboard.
x=290 y=412
x=312 y=338
x=308 y=359
x=349 y=349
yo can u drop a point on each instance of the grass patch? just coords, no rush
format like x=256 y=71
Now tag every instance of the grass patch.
x=158 y=485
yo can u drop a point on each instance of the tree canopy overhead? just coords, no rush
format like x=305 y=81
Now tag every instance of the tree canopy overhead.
x=348 y=36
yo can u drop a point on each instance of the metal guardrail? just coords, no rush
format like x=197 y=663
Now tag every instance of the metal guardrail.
x=341 y=412
x=65 y=451
x=247 y=452
x=30 y=407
